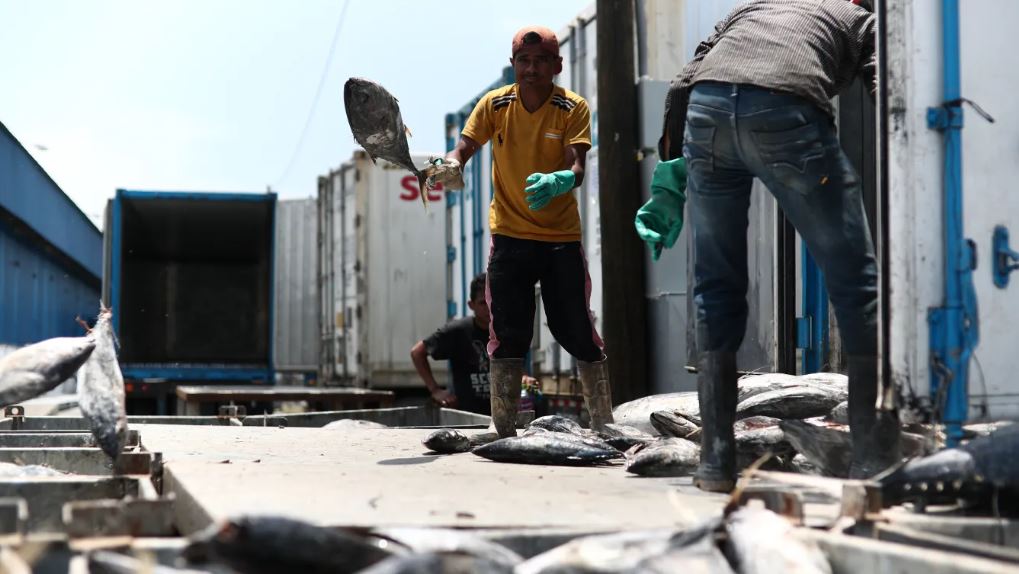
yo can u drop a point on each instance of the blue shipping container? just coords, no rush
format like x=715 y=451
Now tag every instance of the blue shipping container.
x=192 y=277
x=50 y=253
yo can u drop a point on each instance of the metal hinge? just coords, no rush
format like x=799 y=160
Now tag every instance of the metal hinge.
x=1005 y=259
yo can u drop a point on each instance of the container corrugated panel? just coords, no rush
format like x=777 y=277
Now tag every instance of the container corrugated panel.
x=29 y=194
x=382 y=260
x=401 y=273
x=49 y=253
x=337 y=286
x=296 y=288
x=326 y=273
x=759 y=351
x=39 y=297
x=348 y=316
x=915 y=193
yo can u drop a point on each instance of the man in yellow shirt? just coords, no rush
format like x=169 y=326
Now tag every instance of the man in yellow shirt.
x=540 y=136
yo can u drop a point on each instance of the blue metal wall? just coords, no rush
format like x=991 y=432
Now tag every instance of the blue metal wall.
x=50 y=253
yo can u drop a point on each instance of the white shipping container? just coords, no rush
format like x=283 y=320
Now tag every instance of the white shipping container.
x=915 y=186
x=295 y=348
x=382 y=269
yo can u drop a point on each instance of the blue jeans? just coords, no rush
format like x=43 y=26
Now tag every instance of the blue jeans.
x=736 y=132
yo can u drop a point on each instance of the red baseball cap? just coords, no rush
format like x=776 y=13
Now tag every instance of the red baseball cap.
x=530 y=35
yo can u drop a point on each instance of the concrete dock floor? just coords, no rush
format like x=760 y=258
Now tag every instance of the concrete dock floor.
x=385 y=477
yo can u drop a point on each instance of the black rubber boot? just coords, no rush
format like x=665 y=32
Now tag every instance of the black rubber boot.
x=594 y=379
x=875 y=434
x=505 y=377
x=716 y=393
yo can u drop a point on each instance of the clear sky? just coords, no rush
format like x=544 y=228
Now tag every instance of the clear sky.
x=214 y=95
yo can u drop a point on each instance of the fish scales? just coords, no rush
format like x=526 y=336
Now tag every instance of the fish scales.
x=101 y=390
x=551 y=448
x=35 y=369
x=763 y=542
x=673 y=423
x=556 y=423
x=273 y=544
x=667 y=457
x=792 y=403
x=439 y=563
x=377 y=125
x=637 y=413
x=447 y=441
x=443 y=540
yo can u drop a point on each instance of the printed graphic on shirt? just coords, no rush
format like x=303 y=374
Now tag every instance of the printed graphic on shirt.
x=479 y=379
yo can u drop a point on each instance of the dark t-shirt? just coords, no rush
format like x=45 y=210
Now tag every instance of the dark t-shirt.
x=463 y=343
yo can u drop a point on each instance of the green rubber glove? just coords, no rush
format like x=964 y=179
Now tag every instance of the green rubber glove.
x=545 y=186
x=660 y=220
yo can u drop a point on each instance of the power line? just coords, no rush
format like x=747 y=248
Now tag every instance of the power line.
x=318 y=93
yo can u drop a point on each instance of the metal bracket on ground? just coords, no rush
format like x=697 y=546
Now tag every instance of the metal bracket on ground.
x=861 y=503
x=17 y=415
x=13 y=517
x=128 y=517
x=782 y=502
x=230 y=413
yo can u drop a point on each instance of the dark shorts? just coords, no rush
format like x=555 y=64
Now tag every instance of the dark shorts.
x=514 y=267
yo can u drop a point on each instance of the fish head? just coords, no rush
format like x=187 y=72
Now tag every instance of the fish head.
x=671 y=423
x=361 y=93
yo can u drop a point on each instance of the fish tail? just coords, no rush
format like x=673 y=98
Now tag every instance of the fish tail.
x=423 y=185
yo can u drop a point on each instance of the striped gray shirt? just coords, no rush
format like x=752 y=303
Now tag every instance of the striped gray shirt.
x=811 y=48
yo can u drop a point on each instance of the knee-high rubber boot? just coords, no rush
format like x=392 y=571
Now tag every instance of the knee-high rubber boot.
x=505 y=376
x=876 y=434
x=716 y=393
x=594 y=378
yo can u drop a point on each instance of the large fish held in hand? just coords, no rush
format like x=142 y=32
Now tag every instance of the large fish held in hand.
x=375 y=121
x=101 y=389
x=31 y=371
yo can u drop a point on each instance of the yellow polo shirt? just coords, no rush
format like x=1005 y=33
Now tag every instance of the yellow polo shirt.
x=524 y=143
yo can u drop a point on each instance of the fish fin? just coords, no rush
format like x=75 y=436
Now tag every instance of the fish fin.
x=407 y=131
x=84 y=325
x=423 y=185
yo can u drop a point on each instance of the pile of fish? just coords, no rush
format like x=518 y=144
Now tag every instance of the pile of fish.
x=660 y=435
x=799 y=422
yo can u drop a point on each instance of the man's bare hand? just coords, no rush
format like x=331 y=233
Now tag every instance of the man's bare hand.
x=443 y=398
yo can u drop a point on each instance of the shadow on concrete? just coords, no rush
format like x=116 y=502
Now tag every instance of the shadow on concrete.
x=407 y=461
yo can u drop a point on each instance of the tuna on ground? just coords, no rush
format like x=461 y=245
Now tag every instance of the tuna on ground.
x=547 y=447
x=447 y=441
